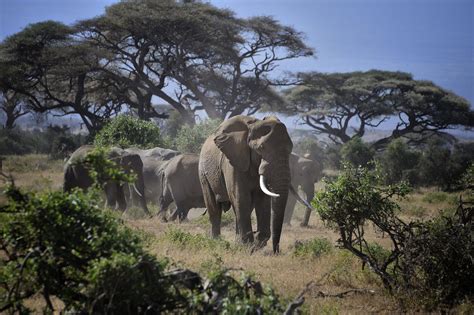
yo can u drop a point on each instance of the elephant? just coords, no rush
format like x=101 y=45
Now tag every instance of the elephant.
x=77 y=175
x=245 y=164
x=153 y=161
x=180 y=183
x=304 y=173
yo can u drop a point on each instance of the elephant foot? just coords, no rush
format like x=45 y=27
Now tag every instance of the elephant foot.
x=287 y=224
x=304 y=224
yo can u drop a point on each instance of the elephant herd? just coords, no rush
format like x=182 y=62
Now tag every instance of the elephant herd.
x=245 y=164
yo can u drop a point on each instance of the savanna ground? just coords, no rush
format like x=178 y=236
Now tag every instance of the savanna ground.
x=187 y=245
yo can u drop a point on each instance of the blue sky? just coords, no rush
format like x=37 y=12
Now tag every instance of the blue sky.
x=432 y=39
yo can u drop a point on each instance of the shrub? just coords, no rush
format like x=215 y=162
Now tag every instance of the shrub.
x=191 y=138
x=311 y=147
x=64 y=245
x=56 y=141
x=53 y=244
x=397 y=160
x=125 y=131
x=430 y=262
x=357 y=152
x=312 y=248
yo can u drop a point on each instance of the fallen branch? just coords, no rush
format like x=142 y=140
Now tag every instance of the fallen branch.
x=298 y=300
x=344 y=293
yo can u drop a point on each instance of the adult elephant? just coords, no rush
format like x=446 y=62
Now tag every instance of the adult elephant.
x=76 y=174
x=304 y=173
x=180 y=182
x=154 y=160
x=245 y=163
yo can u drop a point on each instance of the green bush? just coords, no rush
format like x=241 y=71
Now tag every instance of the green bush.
x=312 y=248
x=125 y=131
x=53 y=244
x=357 y=152
x=56 y=141
x=397 y=160
x=191 y=138
x=64 y=246
x=430 y=262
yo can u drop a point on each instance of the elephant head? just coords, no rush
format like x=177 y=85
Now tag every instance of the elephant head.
x=260 y=147
x=304 y=173
x=130 y=163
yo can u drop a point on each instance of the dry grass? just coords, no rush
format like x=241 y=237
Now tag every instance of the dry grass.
x=335 y=271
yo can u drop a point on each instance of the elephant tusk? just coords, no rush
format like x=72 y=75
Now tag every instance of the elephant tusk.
x=301 y=200
x=265 y=189
x=136 y=190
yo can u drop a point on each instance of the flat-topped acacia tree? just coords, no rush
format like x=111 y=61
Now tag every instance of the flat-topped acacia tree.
x=343 y=105
x=192 y=55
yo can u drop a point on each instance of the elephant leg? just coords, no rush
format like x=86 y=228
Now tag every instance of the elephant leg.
x=121 y=202
x=183 y=214
x=289 y=210
x=263 y=213
x=243 y=209
x=165 y=201
x=213 y=208
x=111 y=194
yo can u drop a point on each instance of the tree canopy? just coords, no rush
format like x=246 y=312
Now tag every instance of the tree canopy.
x=343 y=105
x=192 y=55
x=57 y=73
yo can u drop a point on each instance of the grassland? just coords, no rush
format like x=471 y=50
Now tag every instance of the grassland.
x=307 y=254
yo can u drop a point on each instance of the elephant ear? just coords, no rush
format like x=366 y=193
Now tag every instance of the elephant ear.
x=235 y=148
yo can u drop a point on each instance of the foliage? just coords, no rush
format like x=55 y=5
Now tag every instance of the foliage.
x=397 y=160
x=443 y=167
x=64 y=246
x=52 y=71
x=191 y=138
x=224 y=294
x=310 y=147
x=12 y=107
x=125 y=131
x=56 y=141
x=357 y=152
x=217 y=62
x=102 y=169
x=430 y=261
x=343 y=105
x=312 y=248
x=56 y=244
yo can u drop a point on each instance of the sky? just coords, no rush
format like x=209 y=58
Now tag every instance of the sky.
x=432 y=39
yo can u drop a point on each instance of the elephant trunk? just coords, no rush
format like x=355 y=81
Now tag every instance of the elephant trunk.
x=278 y=214
x=279 y=181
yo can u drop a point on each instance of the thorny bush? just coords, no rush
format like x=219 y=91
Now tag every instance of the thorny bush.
x=430 y=262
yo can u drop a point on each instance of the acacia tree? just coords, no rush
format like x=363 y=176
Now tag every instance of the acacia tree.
x=192 y=55
x=55 y=72
x=343 y=105
x=13 y=106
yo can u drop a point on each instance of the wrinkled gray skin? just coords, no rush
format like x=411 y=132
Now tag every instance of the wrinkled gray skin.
x=304 y=174
x=76 y=175
x=231 y=161
x=180 y=182
x=153 y=161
